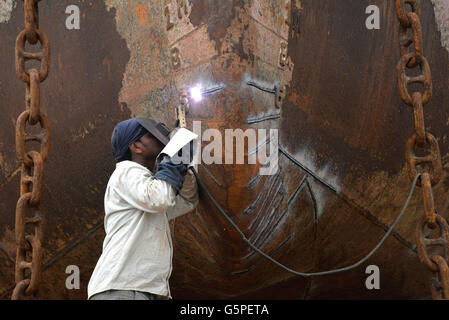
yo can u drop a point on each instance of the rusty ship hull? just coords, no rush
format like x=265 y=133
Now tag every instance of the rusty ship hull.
x=308 y=68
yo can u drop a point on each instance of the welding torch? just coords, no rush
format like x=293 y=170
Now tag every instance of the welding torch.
x=182 y=109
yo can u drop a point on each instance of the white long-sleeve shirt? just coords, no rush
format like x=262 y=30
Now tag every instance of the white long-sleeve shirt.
x=137 y=250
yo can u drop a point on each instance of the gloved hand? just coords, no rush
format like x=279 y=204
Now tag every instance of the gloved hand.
x=172 y=173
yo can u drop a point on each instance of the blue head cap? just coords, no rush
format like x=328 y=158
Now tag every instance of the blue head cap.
x=124 y=134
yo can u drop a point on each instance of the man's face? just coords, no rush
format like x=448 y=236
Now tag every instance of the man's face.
x=148 y=146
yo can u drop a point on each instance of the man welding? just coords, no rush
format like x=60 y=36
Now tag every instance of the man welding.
x=136 y=261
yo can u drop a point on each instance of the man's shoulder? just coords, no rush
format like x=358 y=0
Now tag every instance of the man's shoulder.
x=127 y=165
x=126 y=169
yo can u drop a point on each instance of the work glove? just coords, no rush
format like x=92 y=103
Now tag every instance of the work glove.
x=172 y=173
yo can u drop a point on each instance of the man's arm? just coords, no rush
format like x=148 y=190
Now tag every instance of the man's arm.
x=144 y=192
x=187 y=199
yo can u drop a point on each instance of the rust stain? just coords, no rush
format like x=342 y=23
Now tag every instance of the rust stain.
x=142 y=14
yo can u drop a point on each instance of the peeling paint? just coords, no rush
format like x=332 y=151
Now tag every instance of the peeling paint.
x=145 y=84
x=6 y=7
x=441 y=8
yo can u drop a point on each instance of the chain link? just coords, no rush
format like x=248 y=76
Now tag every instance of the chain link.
x=432 y=233
x=29 y=246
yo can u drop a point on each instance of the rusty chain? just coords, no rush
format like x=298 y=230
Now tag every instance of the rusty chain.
x=432 y=233
x=28 y=230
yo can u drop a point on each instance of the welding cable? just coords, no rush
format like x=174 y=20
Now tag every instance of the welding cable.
x=303 y=274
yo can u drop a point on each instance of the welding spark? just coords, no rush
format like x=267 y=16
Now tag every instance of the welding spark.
x=196 y=93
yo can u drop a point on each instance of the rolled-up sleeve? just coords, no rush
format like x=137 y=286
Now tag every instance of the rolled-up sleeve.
x=187 y=199
x=141 y=190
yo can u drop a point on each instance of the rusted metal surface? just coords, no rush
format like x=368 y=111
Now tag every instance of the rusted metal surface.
x=342 y=127
x=411 y=59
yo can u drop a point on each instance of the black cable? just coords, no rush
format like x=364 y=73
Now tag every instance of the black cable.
x=269 y=117
x=303 y=274
x=255 y=85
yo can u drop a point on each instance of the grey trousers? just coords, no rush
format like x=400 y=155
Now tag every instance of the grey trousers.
x=122 y=295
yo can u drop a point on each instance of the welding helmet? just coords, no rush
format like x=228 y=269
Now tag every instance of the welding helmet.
x=158 y=129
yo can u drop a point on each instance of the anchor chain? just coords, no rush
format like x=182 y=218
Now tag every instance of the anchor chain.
x=432 y=233
x=28 y=229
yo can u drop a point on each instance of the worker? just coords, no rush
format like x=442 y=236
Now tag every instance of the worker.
x=136 y=261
